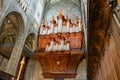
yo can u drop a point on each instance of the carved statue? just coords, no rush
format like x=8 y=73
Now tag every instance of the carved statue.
x=60 y=16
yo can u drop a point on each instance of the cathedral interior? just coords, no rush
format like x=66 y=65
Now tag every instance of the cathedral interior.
x=59 y=39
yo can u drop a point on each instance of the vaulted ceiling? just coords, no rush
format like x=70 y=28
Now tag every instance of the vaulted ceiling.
x=68 y=6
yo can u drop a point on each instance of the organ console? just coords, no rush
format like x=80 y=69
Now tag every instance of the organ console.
x=60 y=46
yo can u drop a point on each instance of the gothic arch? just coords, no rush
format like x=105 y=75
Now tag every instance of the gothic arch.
x=30 y=43
x=11 y=27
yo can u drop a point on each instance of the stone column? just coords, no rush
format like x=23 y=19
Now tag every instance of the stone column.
x=15 y=56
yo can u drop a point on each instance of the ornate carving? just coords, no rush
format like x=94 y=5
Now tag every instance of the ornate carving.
x=59 y=64
x=59 y=50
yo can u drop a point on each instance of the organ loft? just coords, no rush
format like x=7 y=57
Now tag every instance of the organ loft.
x=60 y=46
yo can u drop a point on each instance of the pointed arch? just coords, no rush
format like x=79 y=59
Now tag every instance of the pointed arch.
x=11 y=28
x=30 y=42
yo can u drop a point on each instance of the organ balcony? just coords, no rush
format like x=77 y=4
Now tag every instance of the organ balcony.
x=60 y=47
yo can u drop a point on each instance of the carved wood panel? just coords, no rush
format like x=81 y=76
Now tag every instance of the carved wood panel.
x=75 y=40
x=59 y=64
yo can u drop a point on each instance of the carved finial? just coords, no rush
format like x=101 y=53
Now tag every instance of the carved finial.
x=23 y=61
x=52 y=17
x=79 y=19
x=60 y=13
x=67 y=17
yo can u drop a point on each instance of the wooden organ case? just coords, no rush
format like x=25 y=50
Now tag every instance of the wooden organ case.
x=60 y=47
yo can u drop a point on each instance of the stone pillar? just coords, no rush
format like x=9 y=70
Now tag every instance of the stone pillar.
x=15 y=56
x=29 y=70
x=82 y=70
x=33 y=71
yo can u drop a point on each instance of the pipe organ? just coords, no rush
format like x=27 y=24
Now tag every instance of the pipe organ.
x=60 y=46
